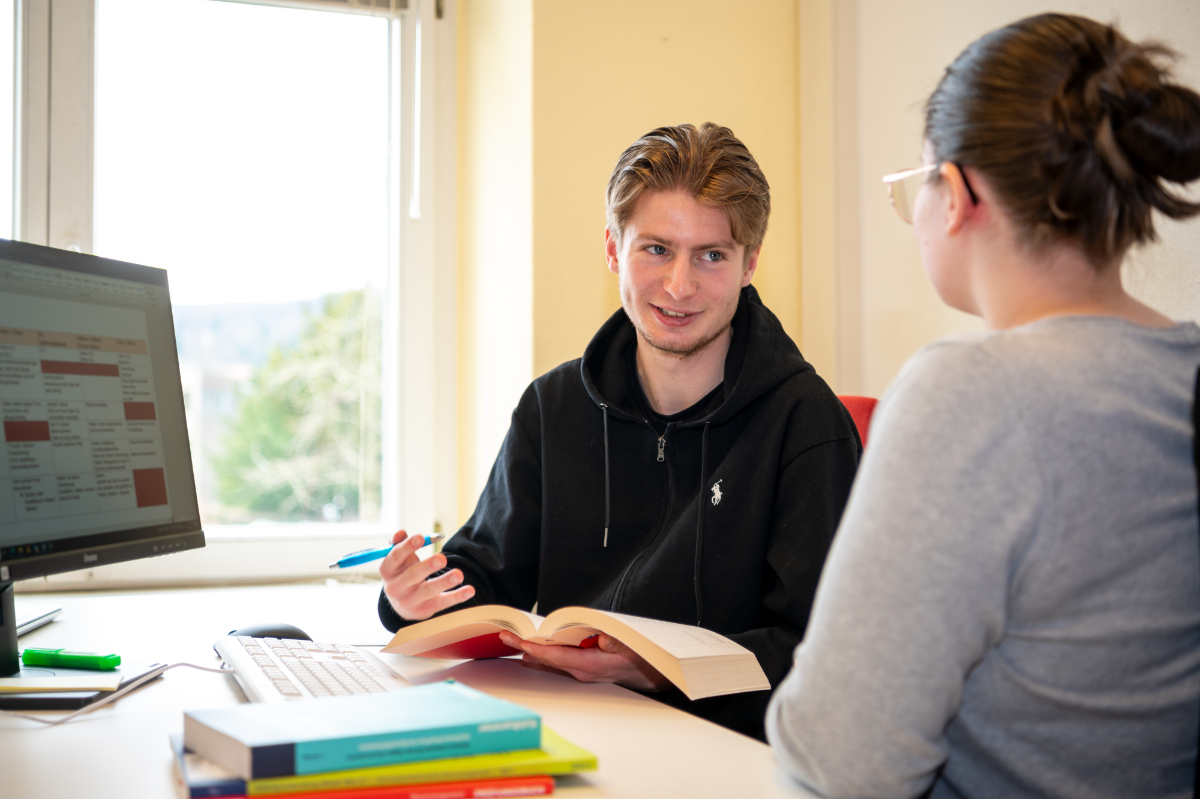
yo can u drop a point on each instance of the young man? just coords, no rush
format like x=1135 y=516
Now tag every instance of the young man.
x=691 y=467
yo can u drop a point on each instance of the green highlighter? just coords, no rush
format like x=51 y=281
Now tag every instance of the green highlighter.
x=71 y=660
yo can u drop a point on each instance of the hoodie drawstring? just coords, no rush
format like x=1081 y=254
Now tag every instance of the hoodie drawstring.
x=607 y=495
x=700 y=521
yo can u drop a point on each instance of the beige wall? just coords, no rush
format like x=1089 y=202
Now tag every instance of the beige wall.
x=900 y=57
x=495 y=227
x=826 y=93
x=831 y=311
x=604 y=73
x=600 y=75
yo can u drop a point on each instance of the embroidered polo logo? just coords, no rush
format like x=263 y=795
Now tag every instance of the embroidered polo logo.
x=716 y=489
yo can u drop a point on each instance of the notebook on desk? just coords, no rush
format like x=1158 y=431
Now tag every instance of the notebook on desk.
x=31 y=615
x=42 y=688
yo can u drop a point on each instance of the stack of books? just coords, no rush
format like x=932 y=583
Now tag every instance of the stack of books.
x=442 y=741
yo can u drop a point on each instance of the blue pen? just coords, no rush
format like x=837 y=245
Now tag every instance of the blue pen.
x=368 y=555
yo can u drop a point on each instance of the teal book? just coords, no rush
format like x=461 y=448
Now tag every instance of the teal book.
x=313 y=736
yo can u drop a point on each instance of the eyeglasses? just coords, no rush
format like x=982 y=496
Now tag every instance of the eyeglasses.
x=903 y=187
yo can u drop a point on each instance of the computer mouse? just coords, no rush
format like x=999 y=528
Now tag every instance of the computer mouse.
x=272 y=630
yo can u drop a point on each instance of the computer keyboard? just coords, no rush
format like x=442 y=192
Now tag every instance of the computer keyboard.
x=277 y=670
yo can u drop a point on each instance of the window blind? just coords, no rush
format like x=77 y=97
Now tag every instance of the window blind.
x=379 y=8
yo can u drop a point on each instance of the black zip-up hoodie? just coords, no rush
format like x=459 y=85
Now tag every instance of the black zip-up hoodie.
x=722 y=519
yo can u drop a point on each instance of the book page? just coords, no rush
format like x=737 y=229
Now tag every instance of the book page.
x=442 y=631
x=565 y=635
x=517 y=629
x=681 y=640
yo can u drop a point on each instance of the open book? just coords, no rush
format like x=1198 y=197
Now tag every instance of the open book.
x=700 y=662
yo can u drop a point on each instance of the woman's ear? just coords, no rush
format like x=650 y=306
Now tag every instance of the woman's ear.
x=960 y=205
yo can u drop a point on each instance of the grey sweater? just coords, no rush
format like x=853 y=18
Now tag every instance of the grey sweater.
x=1012 y=602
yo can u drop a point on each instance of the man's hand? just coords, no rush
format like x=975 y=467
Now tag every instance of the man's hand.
x=609 y=661
x=404 y=580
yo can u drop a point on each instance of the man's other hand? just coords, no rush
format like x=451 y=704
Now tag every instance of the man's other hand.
x=609 y=661
x=406 y=583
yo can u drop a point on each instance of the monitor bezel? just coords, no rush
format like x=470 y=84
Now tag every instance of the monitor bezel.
x=71 y=261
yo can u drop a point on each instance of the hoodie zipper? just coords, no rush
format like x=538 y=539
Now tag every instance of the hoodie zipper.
x=662 y=525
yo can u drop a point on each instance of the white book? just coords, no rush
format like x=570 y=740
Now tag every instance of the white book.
x=699 y=662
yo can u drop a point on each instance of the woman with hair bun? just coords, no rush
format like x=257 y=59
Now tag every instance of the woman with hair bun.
x=1011 y=606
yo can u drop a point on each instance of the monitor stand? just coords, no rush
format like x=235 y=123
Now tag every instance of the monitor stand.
x=10 y=661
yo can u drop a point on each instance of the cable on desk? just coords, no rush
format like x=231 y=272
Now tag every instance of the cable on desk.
x=133 y=686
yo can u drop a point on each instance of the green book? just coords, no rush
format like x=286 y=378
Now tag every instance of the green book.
x=429 y=722
x=555 y=757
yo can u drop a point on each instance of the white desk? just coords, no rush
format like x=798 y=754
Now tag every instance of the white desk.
x=645 y=749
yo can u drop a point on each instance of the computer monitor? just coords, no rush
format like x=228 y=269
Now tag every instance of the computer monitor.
x=96 y=466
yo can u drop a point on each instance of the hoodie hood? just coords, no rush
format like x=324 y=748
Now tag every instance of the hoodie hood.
x=761 y=356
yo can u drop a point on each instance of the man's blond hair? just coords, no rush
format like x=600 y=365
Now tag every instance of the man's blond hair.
x=710 y=164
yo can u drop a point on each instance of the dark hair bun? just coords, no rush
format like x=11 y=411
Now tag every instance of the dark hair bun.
x=1076 y=128
x=1165 y=136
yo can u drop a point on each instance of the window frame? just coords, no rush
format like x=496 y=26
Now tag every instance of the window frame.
x=53 y=205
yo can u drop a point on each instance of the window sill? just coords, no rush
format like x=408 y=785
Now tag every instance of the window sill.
x=236 y=555
x=299 y=532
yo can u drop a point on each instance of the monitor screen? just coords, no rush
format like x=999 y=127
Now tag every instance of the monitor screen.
x=96 y=466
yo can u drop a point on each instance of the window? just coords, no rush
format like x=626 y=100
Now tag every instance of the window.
x=274 y=229
x=268 y=156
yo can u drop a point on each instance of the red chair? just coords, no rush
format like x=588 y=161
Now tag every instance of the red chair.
x=860 y=409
